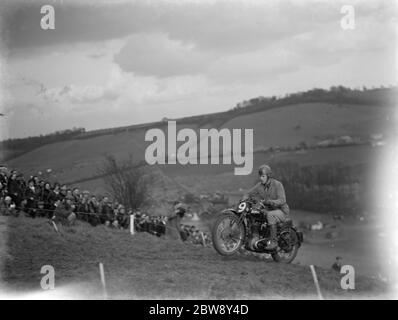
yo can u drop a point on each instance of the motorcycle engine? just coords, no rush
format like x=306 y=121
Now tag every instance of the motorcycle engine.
x=257 y=233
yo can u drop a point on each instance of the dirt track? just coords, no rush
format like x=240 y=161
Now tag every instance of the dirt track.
x=144 y=266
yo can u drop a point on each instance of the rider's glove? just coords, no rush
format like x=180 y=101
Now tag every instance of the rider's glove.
x=268 y=202
x=259 y=206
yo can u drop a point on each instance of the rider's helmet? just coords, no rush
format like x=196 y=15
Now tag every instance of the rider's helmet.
x=180 y=209
x=265 y=169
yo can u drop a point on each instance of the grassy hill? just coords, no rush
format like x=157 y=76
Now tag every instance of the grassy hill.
x=144 y=266
x=285 y=124
x=305 y=116
x=311 y=123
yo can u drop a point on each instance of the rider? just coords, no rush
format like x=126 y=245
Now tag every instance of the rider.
x=272 y=196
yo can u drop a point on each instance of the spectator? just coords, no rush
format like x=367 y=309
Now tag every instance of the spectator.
x=57 y=192
x=3 y=189
x=173 y=227
x=14 y=189
x=337 y=264
x=76 y=195
x=7 y=207
x=63 y=212
x=69 y=195
x=40 y=209
x=3 y=176
x=93 y=209
x=122 y=217
x=31 y=196
x=106 y=212
x=82 y=209
x=93 y=205
x=41 y=185
x=63 y=191
x=48 y=197
x=36 y=181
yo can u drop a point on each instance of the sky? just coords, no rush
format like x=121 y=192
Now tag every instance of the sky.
x=115 y=63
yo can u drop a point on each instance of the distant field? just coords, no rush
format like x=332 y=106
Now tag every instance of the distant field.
x=77 y=161
x=80 y=158
x=211 y=178
x=350 y=155
x=312 y=122
x=285 y=126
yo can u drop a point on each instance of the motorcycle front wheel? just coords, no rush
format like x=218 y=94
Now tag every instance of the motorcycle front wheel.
x=228 y=234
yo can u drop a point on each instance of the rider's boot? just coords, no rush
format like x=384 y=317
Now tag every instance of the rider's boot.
x=272 y=242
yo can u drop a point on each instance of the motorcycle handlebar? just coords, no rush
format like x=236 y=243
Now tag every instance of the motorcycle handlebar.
x=249 y=199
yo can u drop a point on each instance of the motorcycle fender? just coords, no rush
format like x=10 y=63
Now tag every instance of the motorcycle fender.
x=299 y=235
x=230 y=210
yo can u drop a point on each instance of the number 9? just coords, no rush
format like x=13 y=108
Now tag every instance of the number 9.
x=242 y=207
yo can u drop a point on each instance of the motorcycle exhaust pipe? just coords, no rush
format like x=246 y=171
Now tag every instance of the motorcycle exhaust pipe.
x=260 y=244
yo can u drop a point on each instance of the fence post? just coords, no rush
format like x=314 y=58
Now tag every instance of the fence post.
x=318 y=289
x=55 y=226
x=132 y=224
x=203 y=239
x=102 y=274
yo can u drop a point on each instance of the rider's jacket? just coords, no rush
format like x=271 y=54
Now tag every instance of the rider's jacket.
x=273 y=191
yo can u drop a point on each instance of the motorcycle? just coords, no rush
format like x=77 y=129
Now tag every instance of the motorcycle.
x=246 y=227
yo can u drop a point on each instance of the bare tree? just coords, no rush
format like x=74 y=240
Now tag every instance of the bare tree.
x=127 y=182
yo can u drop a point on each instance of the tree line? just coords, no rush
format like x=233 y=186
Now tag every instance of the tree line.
x=18 y=146
x=328 y=188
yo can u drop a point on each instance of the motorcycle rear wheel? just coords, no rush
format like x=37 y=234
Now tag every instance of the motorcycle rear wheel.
x=228 y=234
x=288 y=245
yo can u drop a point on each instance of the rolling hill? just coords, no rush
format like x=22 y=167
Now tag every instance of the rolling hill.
x=284 y=124
x=77 y=159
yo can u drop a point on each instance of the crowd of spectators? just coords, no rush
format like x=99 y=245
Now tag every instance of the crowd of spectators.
x=37 y=197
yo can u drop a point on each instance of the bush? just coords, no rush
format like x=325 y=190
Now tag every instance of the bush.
x=128 y=183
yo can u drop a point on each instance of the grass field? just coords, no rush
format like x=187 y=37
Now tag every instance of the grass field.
x=285 y=126
x=143 y=266
x=312 y=122
x=146 y=267
x=211 y=178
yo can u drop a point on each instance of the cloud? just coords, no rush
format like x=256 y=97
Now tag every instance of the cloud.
x=124 y=88
x=254 y=66
x=237 y=40
x=78 y=94
x=96 y=55
x=158 y=55
x=216 y=25
x=23 y=108
x=248 y=41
